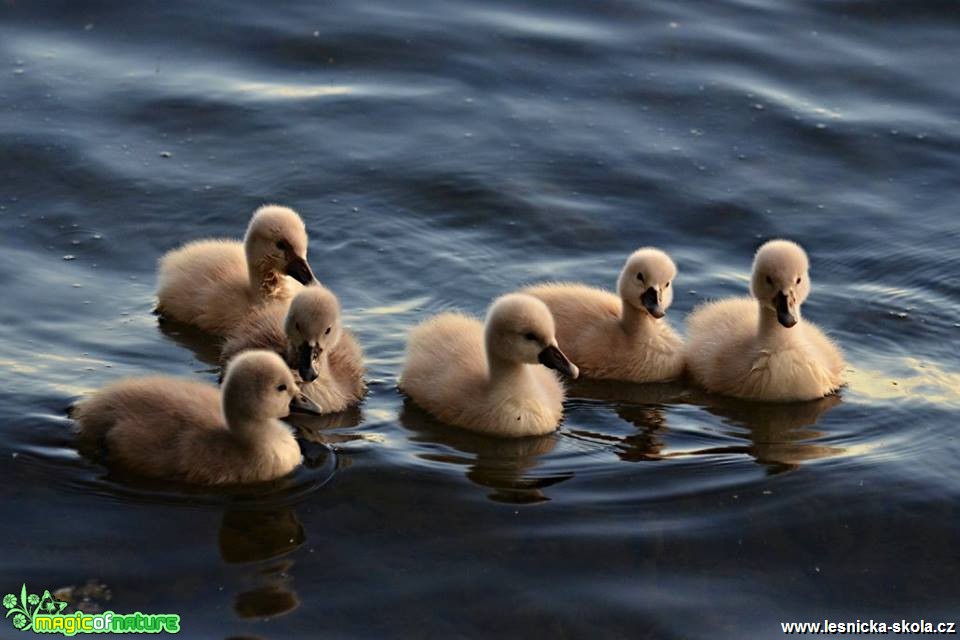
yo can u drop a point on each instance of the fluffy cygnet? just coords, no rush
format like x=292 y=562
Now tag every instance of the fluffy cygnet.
x=186 y=431
x=213 y=284
x=484 y=377
x=759 y=348
x=308 y=333
x=620 y=337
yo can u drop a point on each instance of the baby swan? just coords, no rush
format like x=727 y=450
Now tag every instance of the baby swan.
x=307 y=332
x=186 y=431
x=620 y=337
x=759 y=349
x=477 y=376
x=213 y=284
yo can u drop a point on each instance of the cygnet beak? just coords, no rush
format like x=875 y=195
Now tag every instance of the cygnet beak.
x=553 y=358
x=784 y=316
x=651 y=302
x=305 y=364
x=299 y=270
x=302 y=404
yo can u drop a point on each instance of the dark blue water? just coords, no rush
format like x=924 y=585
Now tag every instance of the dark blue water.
x=442 y=153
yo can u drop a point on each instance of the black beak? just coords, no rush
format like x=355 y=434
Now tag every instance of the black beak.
x=784 y=316
x=305 y=364
x=299 y=270
x=651 y=302
x=303 y=404
x=553 y=358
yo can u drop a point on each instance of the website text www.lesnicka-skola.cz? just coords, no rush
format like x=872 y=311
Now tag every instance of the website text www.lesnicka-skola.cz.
x=901 y=627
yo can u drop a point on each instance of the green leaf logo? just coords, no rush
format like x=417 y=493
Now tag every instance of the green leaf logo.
x=25 y=608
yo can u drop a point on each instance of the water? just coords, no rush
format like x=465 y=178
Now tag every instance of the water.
x=441 y=154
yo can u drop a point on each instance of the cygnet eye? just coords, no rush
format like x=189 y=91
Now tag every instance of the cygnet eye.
x=769 y=280
x=282 y=245
x=530 y=336
x=798 y=280
x=666 y=286
x=281 y=387
x=327 y=332
x=640 y=276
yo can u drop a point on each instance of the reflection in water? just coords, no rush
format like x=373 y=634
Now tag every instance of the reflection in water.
x=256 y=536
x=317 y=429
x=780 y=434
x=204 y=346
x=315 y=435
x=646 y=444
x=630 y=392
x=250 y=536
x=500 y=464
x=638 y=404
x=266 y=601
x=91 y=597
x=906 y=379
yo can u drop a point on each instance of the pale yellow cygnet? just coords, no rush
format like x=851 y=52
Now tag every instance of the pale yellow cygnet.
x=187 y=431
x=760 y=348
x=486 y=377
x=625 y=336
x=308 y=333
x=213 y=284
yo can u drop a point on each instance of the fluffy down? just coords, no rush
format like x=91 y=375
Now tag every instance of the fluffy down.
x=590 y=330
x=174 y=429
x=761 y=348
x=728 y=356
x=213 y=284
x=623 y=336
x=286 y=329
x=486 y=379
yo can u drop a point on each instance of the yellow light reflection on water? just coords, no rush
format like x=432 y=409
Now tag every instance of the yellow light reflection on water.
x=276 y=90
x=404 y=306
x=906 y=378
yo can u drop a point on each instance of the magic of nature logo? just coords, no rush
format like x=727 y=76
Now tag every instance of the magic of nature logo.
x=44 y=614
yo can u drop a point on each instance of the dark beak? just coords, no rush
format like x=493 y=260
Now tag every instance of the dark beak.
x=303 y=404
x=299 y=270
x=784 y=316
x=553 y=358
x=305 y=364
x=651 y=302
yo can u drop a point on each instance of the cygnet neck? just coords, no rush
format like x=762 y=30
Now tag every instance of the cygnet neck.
x=243 y=429
x=635 y=321
x=505 y=372
x=323 y=365
x=263 y=279
x=240 y=424
x=771 y=331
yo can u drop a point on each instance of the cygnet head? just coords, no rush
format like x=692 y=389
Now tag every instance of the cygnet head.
x=645 y=281
x=313 y=329
x=520 y=329
x=276 y=241
x=780 y=281
x=257 y=387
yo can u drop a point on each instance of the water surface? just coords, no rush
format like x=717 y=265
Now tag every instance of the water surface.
x=443 y=153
